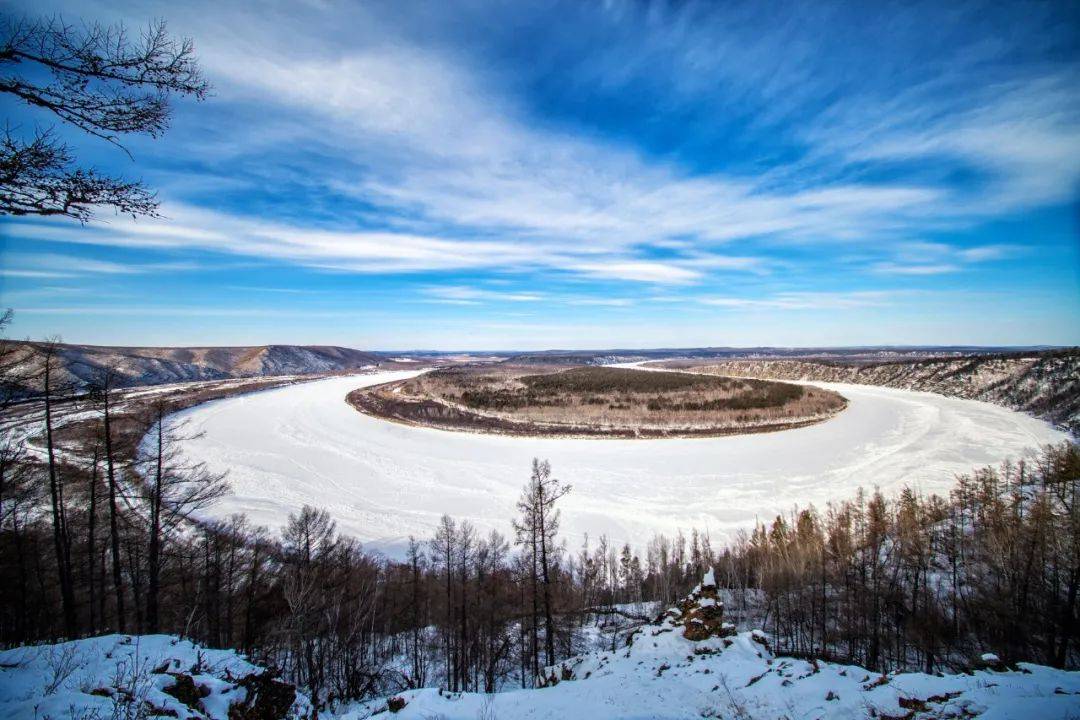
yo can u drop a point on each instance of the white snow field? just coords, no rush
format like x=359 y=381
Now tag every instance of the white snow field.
x=382 y=481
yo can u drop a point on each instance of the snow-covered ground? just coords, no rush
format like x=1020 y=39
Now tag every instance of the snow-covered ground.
x=664 y=676
x=383 y=481
x=687 y=664
x=691 y=664
x=660 y=675
x=135 y=676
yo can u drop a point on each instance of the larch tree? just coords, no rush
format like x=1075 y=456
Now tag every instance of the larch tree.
x=444 y=549
x=537 y=527
x=309 y=540
x=102 y=393
x=416 y=561
x=172 y=492
x=61 y=535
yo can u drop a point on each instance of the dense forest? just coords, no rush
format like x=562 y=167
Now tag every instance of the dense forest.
x=100 y=536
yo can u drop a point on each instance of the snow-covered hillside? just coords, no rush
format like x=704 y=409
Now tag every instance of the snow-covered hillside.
x=132 y=366
x=117 y=677
x=1045 y=384
x=688 y=663
x=691 y=664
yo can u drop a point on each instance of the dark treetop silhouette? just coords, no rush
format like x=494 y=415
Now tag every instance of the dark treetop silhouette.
x=99 y=80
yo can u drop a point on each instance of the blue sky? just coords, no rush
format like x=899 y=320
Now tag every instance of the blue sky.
x=579 y=175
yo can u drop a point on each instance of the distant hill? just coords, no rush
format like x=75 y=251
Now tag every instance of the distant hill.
x=864 y=354
x=1045 y=383
x=84 y=364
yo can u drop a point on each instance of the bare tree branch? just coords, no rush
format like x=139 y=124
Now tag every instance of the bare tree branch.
x=99 y=80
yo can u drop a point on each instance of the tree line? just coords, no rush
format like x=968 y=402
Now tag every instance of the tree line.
x=98 y=534
x=927 y=582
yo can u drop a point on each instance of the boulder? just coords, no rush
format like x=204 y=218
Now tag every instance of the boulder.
x=265 y=698
x=186 y=691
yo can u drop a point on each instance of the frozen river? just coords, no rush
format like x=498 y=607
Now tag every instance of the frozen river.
x=383 y=481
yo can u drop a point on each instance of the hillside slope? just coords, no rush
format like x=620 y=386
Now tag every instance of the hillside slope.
x=687 y=664
x=1045 y=384
x=83 y=364
x=691 y=664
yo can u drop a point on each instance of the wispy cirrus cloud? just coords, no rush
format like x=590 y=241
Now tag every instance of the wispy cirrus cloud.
x=893 y=268
x=600 y=302
x=456 y=170
x=444 y=145
x=370 y=252
x=928 y=258
x=465 y=294
x=34 y=274
x=1021 y=136
x=805 y=300
x=639 y=271
x=56 y=265
x=692 y=148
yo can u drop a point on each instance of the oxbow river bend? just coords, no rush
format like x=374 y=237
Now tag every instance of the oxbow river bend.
x=383 y=481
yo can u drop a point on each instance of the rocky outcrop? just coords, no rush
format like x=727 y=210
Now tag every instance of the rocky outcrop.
x=265 y=698
x=698 y=618
x=701 y=613
x=187 y=691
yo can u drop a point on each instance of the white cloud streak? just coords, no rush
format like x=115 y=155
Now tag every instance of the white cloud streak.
x=466 y=294
x=55 y=265
x=462 y=175
x=804 y=301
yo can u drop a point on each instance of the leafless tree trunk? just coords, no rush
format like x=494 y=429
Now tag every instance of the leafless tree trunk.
x=61 y=537
x=104 y=393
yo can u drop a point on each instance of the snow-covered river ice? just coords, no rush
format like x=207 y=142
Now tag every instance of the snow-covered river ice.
x=383 y=481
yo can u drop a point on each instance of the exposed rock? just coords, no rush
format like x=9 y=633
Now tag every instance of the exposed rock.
x=144 y=677
x=701 y=613
x=990 y=661
x=265 y=698
x=186 y=691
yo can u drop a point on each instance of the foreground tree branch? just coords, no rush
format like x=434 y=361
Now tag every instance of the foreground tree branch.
x=99 y=80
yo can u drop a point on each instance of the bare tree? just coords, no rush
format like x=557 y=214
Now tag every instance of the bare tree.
x=309 y=541
x=466 y=553
x=443 y=551
x=61 y=535
x=172 y=492
x=91 y=536
x=416 y=562
x=537 y=527
x=100 y=80
x=102 y=393
x=526 y=530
